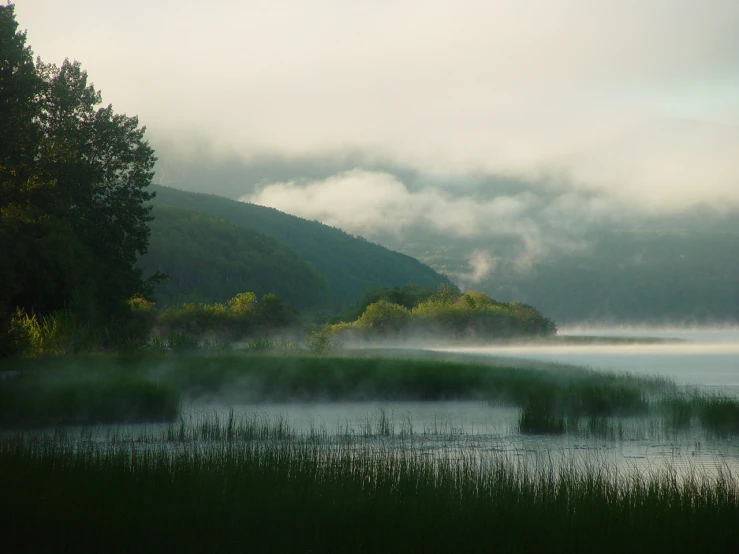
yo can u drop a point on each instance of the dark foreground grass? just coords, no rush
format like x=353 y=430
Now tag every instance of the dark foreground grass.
x=290 y=495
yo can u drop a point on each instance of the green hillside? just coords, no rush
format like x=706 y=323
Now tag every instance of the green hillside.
x=351 y=264
x=209 y=259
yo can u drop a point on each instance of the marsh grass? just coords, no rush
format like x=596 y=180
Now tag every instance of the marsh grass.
x=553 y=398
x=223 y=493
x=31 y=400
x=356 y=378
x=235 y=427
x=541 y=420
x=718 y=414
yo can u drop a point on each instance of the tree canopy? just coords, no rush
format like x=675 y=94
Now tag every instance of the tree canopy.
x=209 y=259
x=447 y=314
x=73 y=188
x=351 y=264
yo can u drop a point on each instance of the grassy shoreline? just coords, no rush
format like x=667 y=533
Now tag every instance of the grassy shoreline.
x=553 y=398
x=266 y=491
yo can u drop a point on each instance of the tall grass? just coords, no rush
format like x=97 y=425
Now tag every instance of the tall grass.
x=228 y=494
x=554 y=399
x=29 y=400
x=718 y=414
x=550 y=395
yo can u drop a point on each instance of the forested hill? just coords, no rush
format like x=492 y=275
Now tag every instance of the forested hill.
x=351 y=264
x=210 y=260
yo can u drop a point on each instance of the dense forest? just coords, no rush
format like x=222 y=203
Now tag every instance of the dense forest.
x=209 y=259
x=351 y=264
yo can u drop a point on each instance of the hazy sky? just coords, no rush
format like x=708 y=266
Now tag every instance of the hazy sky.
x=629 y=104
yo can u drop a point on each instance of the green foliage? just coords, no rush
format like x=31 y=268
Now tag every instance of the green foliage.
x=32 y=400
x=448 y=314
x=64 y=332
x=73 y=178
x=540 y=420
x=718 y=414
x=407 y=296
x=209 y=259
x=322 y=341
x=259 y=345
x=243 y=304
x=240 y=317
x=140 y=304
x=384 y=317
x=24 y=335
x=351 y=265
x=181 y=342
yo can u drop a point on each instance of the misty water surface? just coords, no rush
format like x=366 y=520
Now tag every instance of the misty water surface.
x=706 y=357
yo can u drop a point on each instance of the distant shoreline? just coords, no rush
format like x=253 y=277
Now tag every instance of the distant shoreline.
x=556 y=340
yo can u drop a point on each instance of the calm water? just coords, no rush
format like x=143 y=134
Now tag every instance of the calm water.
x=707 y=357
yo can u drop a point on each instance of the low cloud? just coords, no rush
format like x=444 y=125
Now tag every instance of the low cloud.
x=634 y=101
x=379 y=206
x=481 y=266
x=369 y=202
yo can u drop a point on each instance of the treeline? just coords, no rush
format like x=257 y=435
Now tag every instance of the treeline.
x=73 y=198
x=267 y=323
x=245 y=316
x=445 y=314
x=209 y=259
x=351 y=265
x=181 y=327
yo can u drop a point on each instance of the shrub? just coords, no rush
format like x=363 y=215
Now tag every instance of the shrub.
x=383 y=316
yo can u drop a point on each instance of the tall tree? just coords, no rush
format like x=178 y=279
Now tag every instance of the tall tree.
x=20 y=87
x=101 y=167
x=73 y=186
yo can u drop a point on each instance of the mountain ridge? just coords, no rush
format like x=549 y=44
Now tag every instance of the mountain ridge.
x=352 y=265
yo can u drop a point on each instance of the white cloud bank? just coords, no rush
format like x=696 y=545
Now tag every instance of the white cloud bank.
x=369 y=201
x=635 y=99
x=377 y=203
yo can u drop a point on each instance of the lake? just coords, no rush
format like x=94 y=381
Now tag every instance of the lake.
x=706 y=357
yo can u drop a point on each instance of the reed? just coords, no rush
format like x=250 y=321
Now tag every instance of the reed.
x=294 y=495
x=30 y=400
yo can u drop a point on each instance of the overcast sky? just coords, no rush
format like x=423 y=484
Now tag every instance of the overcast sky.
x=632 y=104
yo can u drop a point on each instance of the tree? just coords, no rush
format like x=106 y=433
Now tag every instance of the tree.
x=384 y=316
x=100 y=166
x=73 y=179
x=19 y=89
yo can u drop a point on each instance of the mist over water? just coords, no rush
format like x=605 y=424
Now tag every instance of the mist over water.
x=704 y=356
